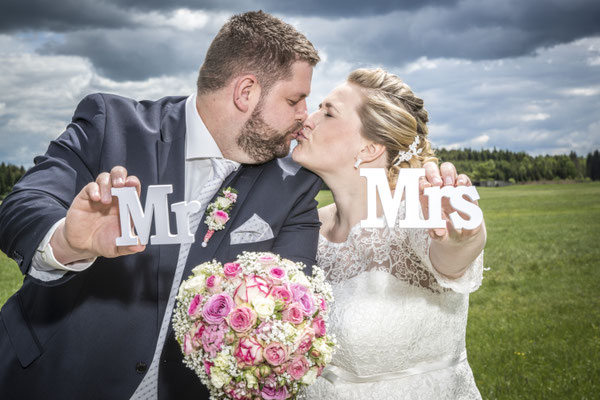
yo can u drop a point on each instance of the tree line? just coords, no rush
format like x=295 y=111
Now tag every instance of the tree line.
x=9 y=175
x=505 y=165
x=479 y=165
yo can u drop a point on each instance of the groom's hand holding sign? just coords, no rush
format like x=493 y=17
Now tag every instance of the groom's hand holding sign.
x=92 y=222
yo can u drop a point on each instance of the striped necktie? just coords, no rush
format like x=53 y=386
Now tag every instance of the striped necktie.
x=148 y=387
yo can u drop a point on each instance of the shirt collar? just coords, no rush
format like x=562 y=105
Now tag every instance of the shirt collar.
x=199 y=143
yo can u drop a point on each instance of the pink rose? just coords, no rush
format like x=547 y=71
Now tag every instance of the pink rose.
x=318 y=326
x=267 y=260
x=293 y=313
x=231 y=196
x=277 y=274
x=242 y=319
x=194 y=310
x=188 y=348
x=275 y=353
x=322 y=304
x=207 y=366
x=298 y=290
x=302 y=296
x=192 y=340
x=274 y=393
x=270 y=380
x=220 y=217
x=248 y=352
x=238 y=392
x=308 y=305
x=298 y=367
x=231 y=270
x=212 y=338
x=213 y=284
x=305 y=342
x=217 y=308
x=281 y=293
x=251 y=287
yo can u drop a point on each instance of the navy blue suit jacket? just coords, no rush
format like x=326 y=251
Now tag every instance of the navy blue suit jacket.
x=93 y=334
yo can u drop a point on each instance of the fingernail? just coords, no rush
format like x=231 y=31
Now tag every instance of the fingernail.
x=461 y=182
x=118 y=181
x=437 y=181
x=448 y=180
x=440 y=231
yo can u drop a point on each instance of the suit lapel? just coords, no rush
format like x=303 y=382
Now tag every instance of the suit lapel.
x=170 y=153
x=242 y=181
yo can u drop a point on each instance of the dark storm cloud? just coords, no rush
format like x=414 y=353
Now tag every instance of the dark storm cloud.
x=521 y=75
x=60 y=15
x=386 y=33
x=474 y=30
x=135 y=54
x=67 y=15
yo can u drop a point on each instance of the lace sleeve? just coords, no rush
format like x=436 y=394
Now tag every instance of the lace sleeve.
x=420 y=242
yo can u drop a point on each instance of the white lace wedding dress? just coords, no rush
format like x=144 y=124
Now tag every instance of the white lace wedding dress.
x=400 y=325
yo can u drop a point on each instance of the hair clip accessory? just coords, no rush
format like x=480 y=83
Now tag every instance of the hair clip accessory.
x=410 y=153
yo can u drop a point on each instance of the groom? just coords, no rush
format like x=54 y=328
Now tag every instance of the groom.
x=92 y=320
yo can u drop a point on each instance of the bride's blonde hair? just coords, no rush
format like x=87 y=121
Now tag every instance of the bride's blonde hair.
x=393 y=116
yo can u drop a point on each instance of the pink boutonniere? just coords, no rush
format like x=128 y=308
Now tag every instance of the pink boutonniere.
x=217 y=212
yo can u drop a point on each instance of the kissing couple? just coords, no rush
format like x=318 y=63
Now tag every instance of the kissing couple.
x=93 y=319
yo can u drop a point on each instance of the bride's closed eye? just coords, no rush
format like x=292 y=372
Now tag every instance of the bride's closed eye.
x=326 y=113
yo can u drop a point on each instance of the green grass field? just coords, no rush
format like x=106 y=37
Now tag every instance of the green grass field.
x=534 y=325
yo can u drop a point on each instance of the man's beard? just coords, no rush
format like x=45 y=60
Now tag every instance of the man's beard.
x=260 y=141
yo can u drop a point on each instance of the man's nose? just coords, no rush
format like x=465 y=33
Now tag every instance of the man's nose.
x=302 y=112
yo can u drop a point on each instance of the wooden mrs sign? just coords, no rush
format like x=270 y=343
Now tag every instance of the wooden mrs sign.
x=408 y=181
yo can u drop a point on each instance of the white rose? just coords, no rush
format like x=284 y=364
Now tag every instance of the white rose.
x=300 y=278
x=251 y=380
x=223 y=202
x=264 y=306
x=202 y=269
x=195 y=285
x=221 y=361
x=219 y=378
x=311 y=376
x=326 y=351
x=290 y=331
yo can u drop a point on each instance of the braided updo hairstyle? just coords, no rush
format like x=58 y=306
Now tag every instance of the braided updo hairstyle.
x=393 y=116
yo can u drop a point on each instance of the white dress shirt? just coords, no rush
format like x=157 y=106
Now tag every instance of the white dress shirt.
x=200 y=147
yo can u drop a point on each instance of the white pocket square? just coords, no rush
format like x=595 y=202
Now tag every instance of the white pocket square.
x=251 y=231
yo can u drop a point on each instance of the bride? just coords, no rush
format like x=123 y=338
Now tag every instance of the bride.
x=401 y=295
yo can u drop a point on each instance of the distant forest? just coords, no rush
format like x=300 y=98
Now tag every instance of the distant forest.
x=505 y=165
x=9 y=175
x=479 y=165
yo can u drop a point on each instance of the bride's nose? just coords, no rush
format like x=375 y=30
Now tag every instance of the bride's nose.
x=310 y=121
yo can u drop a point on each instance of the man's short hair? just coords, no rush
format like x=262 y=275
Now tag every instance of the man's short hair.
x=257 y=43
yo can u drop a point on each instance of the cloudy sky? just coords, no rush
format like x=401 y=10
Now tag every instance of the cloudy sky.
x=522 y=75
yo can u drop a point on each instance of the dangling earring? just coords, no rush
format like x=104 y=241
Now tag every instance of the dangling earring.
x=357 y=163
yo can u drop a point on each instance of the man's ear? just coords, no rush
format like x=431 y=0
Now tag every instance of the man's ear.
x=246 y=93
x=371 y=152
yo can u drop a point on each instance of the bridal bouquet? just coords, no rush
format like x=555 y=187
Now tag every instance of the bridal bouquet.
x=254 y=328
